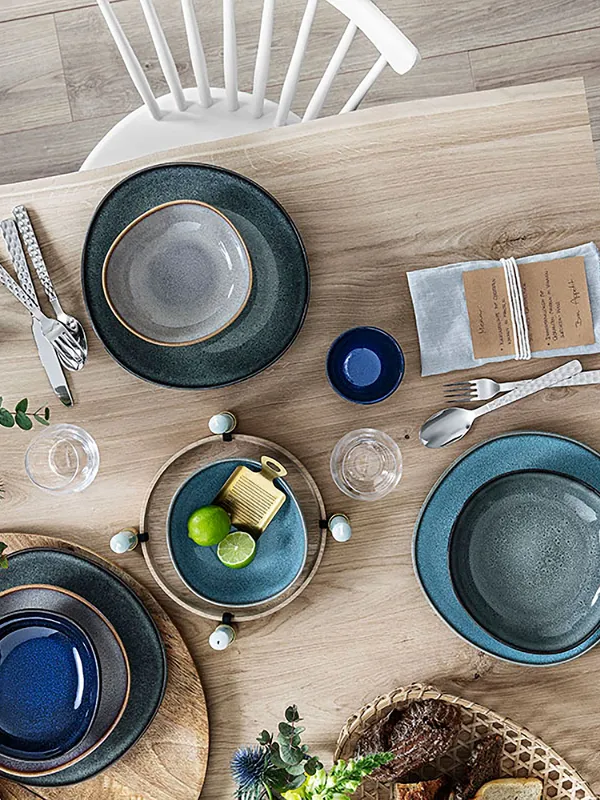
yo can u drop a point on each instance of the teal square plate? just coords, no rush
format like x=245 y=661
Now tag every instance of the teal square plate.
x=472 y=472
x=280 y=550
x=276 y=308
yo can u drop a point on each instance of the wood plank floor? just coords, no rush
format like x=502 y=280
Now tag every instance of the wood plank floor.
x=62 y=84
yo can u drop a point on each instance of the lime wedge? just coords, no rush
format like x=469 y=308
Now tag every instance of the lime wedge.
x=236 y=550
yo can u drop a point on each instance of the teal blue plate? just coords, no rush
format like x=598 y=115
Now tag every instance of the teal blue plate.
x=438 y=518
x=277 y=305
x=280 y=551
x=136 y=629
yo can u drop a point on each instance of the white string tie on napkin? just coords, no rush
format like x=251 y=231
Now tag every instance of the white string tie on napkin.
x=517 y=309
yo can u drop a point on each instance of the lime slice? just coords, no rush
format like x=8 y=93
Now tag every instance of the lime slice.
x=236 y=550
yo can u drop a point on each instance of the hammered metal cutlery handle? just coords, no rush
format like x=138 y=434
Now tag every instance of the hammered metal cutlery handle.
x=10 y=235
x=20 y=293
x=33 y=248
x=567 y=370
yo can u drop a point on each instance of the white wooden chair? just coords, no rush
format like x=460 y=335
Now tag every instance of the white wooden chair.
x=203 y=113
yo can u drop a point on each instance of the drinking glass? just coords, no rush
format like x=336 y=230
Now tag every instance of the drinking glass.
x=62 y=459
x=366 y=464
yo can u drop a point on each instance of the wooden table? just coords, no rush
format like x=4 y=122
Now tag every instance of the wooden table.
x=506 y=172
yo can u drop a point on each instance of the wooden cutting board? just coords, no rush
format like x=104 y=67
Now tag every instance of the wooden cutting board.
x=169 y=761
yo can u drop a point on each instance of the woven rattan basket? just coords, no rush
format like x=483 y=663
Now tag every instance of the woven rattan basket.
x=524 y=754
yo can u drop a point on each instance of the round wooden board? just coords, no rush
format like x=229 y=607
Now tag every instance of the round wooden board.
x=169 y=761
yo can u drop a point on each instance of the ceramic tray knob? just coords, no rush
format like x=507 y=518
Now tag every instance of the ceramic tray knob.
x=221 y=637
x=225 y=422
x=124 y=541
x=340 y=527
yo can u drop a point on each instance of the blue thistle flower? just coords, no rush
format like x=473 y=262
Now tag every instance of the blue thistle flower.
x=248 y=767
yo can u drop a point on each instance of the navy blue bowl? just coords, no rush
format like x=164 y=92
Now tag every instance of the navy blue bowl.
x=365 y=365
x=49 y=685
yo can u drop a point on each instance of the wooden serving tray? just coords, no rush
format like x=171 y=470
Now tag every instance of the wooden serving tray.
x=524 y=754
x=169 y=761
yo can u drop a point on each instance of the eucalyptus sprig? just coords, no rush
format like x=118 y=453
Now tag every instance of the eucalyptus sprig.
x=21 y=417
x=3 y=558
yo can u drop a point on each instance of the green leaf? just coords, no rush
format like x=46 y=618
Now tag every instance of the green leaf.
x=22 y=405
x=23 y=421
x=46 y=414
x=1 y=399
x=291 y=714
x=291 y=755
x=297 y=781
x=3 y=558
x=296 y=769
x=6 y=418
x=41 y=420
x=265 y=737
x=285 y=729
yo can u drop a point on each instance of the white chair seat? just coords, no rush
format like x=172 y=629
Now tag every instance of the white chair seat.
x=139 y=134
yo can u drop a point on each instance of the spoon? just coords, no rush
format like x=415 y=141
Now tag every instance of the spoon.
x=451 y=424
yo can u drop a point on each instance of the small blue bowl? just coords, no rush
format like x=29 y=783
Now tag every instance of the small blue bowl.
x=49 y=685
x=365 y=365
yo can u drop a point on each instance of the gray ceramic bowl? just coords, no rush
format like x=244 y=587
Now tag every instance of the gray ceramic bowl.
x=524 y=559
x=113 y=667
x=178 y=274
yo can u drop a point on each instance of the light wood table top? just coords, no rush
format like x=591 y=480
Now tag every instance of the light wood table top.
x=505 y=172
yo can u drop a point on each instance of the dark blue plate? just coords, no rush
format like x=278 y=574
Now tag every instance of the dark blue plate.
x=277 y=305
x=280 y=550
x=134 y=626
x=485 y=462
x=49 y=685
x=113 y=668
x=365 y=365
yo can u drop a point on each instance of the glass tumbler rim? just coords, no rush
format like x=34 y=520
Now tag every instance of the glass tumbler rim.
x=78 y=432
x=337 y=458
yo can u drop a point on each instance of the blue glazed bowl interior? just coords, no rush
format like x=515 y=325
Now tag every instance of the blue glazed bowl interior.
x=49 y=685
x=280 y=551
x=525 y=560
x=365 y=365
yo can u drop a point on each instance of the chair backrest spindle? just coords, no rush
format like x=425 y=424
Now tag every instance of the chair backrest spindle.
x=197 y=56
x=363 y=87
x=163 y=52
x=263 y=58
x=136 y=72
x=395 y=50
x=291 y=79
x=320 y=94
x=230 y=55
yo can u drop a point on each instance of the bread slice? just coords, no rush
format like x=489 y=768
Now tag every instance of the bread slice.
x=423 y=790
x=511 y=789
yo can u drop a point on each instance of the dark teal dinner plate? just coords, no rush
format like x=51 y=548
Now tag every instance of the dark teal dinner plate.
x=136 y=629
x=280 y=550
x=440 y=516
x=278 y=302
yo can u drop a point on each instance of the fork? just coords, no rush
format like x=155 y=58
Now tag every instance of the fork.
x=68 y=349
x=33 y=248
x=485 y=388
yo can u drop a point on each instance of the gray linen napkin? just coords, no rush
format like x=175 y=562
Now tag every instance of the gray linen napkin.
x=443 y=321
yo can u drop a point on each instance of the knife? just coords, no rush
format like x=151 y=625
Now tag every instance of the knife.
x=46 y=351
x=52 y=365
